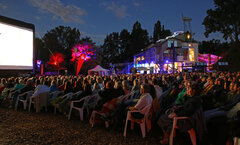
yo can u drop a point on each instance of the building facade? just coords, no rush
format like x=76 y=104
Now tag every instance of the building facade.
x=172 y=54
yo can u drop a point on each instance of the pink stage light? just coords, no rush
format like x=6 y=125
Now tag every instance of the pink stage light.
x=81 y=53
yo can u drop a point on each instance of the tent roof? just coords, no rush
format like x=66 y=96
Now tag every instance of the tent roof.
x=98 y=68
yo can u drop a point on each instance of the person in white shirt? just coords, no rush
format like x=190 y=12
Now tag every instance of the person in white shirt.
x=144 y=100
x=41 y=89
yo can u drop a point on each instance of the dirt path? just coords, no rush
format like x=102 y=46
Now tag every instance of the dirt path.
x=21 y=127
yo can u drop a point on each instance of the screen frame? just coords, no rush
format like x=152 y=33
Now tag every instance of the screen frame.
x=23 y=25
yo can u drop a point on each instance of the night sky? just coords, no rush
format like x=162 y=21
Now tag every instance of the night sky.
x=97 y=18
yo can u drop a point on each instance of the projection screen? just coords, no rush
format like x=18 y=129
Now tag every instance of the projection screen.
x=16 y=47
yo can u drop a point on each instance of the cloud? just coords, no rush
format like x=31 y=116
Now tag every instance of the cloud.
x=120 y=11
x=68 y=13
x=2 y=6
x=136 y=4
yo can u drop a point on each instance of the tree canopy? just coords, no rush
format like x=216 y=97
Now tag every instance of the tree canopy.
x=160 y=32
x=224 y=18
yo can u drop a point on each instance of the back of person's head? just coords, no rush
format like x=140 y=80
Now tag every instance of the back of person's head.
x=85 y=81
x=193 y=89
x=16 y=80
x=96 y=86
x=110 y=85
x=10 y=81
x=145 y=81
x=154 y=81
x=54 y=83
x=125 y=85
x=21 y=81
x=136 y=83
x=46 y=83
x=99 y=80
x=145 y=88
x=29 y=82
x=87 y=88
x=37 y=82
x=68 y=85
x=3 y=81
x=118 y=84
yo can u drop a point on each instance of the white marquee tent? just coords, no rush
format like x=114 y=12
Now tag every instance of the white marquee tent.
x=100 y=70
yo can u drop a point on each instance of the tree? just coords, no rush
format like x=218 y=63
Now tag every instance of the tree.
x=165 y=33
x=157 y=31
x=111 y=48
x=214 y=46
x=87 y=39
x=224 y=18
x=209 y=46
x=139 y=40
x=125 y=41
x=61 y=39
x=160 y=32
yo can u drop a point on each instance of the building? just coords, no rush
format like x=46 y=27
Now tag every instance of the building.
x=176 y=50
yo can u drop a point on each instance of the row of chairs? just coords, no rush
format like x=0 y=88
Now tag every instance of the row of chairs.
x=91 y=100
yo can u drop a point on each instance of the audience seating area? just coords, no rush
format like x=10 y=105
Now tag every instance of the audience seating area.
x=169 y=103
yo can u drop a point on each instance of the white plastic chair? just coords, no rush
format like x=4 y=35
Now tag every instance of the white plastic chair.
x=41 y=100
x=236 y=141
x=55 y=94
x=142 y=122
x=131 y=95
x=86 y=103
x=77 y=93
x=191 y=132
x=10 y=95
x=28 y=95
x=64 y=99
x=121 y=98
x=92 y=101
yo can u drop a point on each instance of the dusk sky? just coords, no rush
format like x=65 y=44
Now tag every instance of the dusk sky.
x=97 y=18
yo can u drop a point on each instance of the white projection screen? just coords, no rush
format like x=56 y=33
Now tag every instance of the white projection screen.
x=16 y=47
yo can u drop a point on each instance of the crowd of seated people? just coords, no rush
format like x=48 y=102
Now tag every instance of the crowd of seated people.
x=171 y=95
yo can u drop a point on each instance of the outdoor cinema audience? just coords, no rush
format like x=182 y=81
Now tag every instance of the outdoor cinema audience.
x=204 y=98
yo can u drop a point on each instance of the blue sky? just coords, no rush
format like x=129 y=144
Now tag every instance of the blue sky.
x=97 y=18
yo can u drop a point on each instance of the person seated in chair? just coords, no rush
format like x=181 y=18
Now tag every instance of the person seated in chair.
x=53 y=86
x=144 y=100
x=191 y=104
x=41 y=88
x=106 y=95
x=28 y=87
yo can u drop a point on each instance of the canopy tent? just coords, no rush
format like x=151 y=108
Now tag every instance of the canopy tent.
x=99 y=69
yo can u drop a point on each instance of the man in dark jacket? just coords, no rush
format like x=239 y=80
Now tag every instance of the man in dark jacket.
x=106 y=95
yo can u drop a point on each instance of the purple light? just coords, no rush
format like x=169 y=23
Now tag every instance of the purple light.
x=167 y=61
x=39 y=63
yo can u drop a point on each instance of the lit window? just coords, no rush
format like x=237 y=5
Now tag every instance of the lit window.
x=190 y=45
x=191 y=54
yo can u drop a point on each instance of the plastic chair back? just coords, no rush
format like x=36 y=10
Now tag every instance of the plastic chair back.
x=92 y=99
x=146 y=109
x=66 y=97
